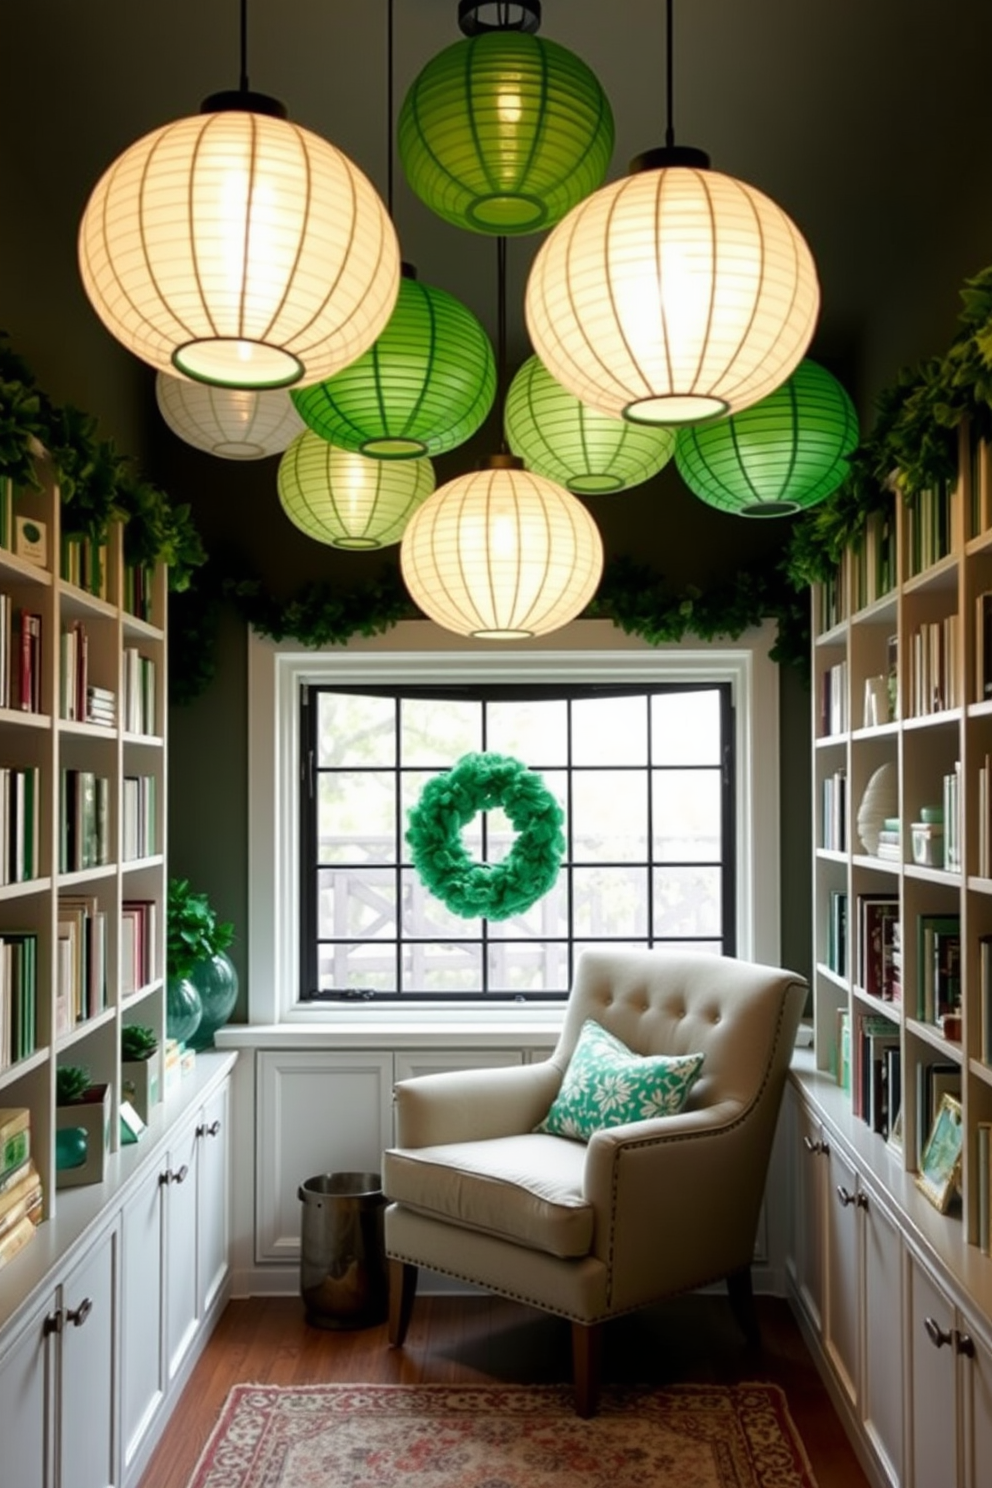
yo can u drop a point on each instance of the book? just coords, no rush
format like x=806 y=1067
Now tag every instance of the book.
x=15 y=1139
x=983 y=1131
x=14 y=1241
x=938 y=966
x=878 y=914
x=25 y=1197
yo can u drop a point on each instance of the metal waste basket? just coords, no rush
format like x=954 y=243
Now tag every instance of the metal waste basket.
x=342 y=1253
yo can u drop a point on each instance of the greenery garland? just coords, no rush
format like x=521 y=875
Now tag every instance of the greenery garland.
x=479 y=782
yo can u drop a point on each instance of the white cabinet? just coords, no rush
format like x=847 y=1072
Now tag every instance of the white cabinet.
x=213 y=1197
x=142 y=1314
x=881 y=1406
x=177 y=1180
x=842 y=1316
x=317 y=1112
x=58 y=1378
x=808 y=1166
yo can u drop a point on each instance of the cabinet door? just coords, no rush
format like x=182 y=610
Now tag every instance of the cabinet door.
x=25 y=1392
x=882 y=1384
x=413 y=1062
x=88 y=1369
x=317 y=1112
x=179 y=1182
x=933 y=1390
x=978 y=1441
x=142 y=1313
x=213 y=1199
x=843 y=1272
x=807 y=1265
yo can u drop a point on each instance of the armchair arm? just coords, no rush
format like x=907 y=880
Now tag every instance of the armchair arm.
x=473 y=1105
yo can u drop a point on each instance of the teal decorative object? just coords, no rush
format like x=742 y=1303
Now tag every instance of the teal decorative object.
x=607 y=1084
x=424 y=387
x=183 y=1008
x=779 y=456
x=479 y=782
x=504 y=132
x=216 y=980
x=71 y=1143
x=564 y=440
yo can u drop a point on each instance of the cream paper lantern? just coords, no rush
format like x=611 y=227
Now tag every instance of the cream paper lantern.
x=501 y=554
x=673 y=295
x=239 y=249
x=232 y=423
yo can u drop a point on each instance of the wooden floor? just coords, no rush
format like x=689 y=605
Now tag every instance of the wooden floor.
x=467 y=1339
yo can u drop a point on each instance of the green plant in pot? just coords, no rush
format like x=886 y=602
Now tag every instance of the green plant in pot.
x=82 y=1126
x=202 y=980
x=139 y=1067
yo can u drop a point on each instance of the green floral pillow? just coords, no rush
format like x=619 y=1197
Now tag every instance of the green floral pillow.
x=607 y=1084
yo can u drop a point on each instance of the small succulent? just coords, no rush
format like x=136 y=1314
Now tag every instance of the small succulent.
x=71 y=1083
x=138 y=1042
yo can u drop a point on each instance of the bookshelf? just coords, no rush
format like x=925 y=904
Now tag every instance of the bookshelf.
x=82 y=819
x=902 y=677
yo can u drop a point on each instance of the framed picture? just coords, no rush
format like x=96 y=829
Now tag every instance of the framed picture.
x=940 y=1161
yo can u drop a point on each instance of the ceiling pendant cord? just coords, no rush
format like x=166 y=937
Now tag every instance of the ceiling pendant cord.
x=390 y=54
x=669 y=76
x=501 y=388
x=243 y=80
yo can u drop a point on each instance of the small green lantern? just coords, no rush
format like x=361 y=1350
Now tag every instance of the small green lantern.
x=424 y=387
x=587 y=452
x=779 y=456
x=504 y=132
x=345 y=500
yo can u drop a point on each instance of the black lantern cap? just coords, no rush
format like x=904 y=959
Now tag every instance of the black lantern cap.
x=478 y=16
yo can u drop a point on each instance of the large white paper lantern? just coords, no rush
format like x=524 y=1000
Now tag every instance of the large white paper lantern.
x=501 y=554
x=239 y=249
x=673 y=295
x=232 y=423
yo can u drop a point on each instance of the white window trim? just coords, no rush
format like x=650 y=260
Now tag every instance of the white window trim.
x=419 y=652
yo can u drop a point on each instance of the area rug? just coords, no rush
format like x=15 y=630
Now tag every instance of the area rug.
x=464 y=1436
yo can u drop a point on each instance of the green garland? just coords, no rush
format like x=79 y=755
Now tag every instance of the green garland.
x=97 y=484
x=479 y=782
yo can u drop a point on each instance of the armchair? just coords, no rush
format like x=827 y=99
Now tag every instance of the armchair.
x=641 y=1211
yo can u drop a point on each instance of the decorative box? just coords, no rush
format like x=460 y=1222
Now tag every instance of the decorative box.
x=928 y=844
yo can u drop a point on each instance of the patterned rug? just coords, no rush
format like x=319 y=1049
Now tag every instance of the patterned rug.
x=464 y=1436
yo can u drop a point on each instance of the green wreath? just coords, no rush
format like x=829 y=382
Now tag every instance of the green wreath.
x=447 y=803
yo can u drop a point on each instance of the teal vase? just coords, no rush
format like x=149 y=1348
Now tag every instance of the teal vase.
x=216 y=981
x=183 y=1008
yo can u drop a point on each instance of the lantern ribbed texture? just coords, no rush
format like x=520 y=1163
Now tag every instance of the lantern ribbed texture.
x=232 y=423
x=501 y=554
x=504 y=132
x=781 y=455
x=343 y=499
x=240 y=249
x=672 y=295
x=557 y=436
x=424 y=387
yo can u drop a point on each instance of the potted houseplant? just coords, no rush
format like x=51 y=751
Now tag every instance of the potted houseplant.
x=139 y=1067
x=82 y=1127
x=202 y=983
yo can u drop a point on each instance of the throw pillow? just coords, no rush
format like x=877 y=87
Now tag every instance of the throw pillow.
x=607 y=1084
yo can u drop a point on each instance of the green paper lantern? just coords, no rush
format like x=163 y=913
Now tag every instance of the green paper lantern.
x=504 y=132
x=779 y=456
x=587 y=452
x=424 y=387
x=343 y=499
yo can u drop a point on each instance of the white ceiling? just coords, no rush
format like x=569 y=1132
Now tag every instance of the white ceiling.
x=869 y=121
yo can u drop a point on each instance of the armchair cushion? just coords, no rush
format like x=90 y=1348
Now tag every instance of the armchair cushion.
x=607 y=1084
x=526 y=1188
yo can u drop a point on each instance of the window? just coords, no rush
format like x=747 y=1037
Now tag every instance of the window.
x=484 y=688
x=644 y=775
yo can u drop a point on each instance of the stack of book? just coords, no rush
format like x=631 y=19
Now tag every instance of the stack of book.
x=139 y=817
x=139 y=692
x=837 y=932
x=933 y=667
x=101 y=706
x=21 y=1195
x=25 y=663
x=18 y=995
x=890 y=841
x=938 y=987
x=928 y=520
x=833 y=699
x=952 y=820
x=138 y=590
x=81 y=961
x=74 y=651
x=876 y=1081
x=878 y=918
x=84 y=835
x=172 y=1066
x=84 y=564
x=137 y=948
x=834 y=823
x=20 y=824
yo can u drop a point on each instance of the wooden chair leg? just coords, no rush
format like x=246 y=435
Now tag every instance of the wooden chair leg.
x=742 y=1304
x=402 y=1290
x=587 y=1354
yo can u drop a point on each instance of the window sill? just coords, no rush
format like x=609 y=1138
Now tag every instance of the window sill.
x=427 y=1028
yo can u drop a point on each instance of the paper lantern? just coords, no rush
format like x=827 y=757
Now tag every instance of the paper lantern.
x=501 y=554
x=586 y=452
x=503 y=132
x=232 y=423
x=780 y=455
x=239 y=249
x=343 y=499
x=425 y=386
x=673 y=295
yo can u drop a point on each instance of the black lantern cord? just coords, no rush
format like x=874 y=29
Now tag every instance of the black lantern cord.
x=243 y=82
x=669 y=75
x=389 y=107
x=501 y=334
